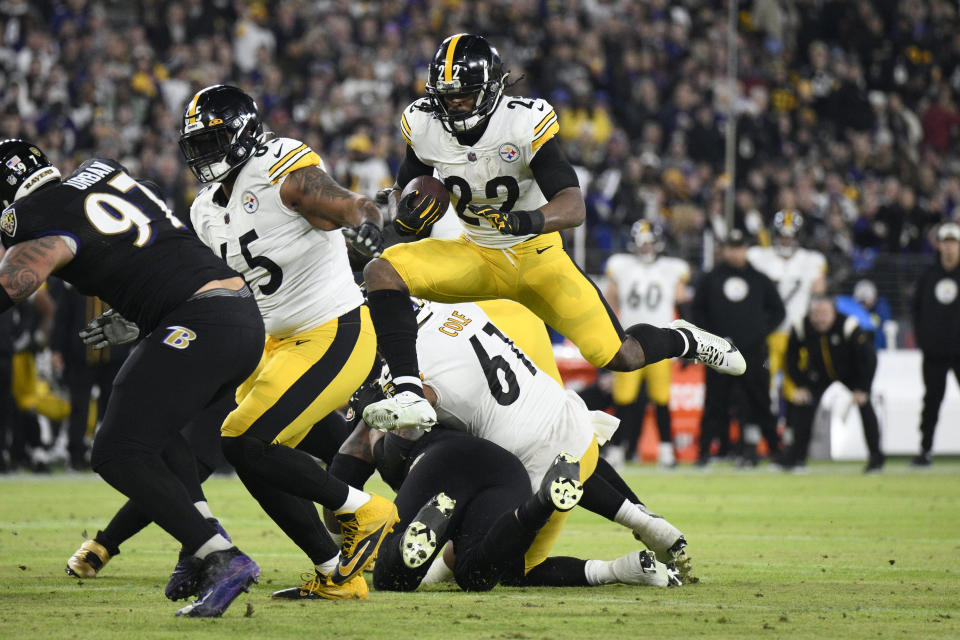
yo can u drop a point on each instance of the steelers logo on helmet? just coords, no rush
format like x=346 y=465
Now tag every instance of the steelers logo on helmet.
x=221 y=129
x=465 y=82
x=648 y=239
x=787 y=224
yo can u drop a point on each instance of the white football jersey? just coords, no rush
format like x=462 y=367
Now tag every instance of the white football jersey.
x=489 y=388
x=299 y=274
x=646 y=291
x=494 y=171
x=794 y=276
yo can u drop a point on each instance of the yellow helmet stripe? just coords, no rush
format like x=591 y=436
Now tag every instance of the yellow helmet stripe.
x=192 y=109
x=448 y=63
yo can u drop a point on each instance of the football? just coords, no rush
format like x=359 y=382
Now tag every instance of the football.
x=428 y=185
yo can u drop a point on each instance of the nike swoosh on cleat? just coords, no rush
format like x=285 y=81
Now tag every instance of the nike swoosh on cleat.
x=544 y=249
x=350 y=566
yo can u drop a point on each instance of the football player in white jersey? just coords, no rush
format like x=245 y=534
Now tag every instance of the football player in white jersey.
x=799 y=273
x=521 y=409
x=274 y=214
x=645 y=286
x=513 y=191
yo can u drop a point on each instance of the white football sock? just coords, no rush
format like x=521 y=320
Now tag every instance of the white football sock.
x=438 y=572
x=327 y=567
x=203 y=508
x=631 y=516
x=216 y=543
x=599 y=572
x=355 y=500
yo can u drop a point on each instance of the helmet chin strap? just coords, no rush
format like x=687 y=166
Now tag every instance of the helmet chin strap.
x=35 y=180
x=214 y=170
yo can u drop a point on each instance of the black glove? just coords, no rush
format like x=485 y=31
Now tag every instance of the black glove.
x=109 y=328
x=382 y=197
x=367 y=239
x=511 y=223
x=416 y=214
x=368 y=393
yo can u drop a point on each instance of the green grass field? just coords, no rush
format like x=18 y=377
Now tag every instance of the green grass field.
x=830 y=554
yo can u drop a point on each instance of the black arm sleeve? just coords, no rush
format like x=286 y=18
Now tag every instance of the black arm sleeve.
x=411 y=167
x=552 y=170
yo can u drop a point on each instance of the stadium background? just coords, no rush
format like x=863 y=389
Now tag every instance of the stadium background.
x=845 y=110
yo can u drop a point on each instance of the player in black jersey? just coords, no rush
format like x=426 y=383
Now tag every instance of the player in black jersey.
x=202 y=335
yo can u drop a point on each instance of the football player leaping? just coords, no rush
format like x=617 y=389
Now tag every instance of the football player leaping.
x=274 y=215
x=645 y=285
x=513 y=191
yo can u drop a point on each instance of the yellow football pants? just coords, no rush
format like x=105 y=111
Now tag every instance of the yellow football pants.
x=302 y=378
x=626 y=384
x=537 y=273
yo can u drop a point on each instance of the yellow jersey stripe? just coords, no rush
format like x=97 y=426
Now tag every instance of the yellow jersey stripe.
x=448 y=63
x=306 y=159
x=405 y=138
x=404 y=123
x=543 y=122
x=544 y=137
x=286 y=158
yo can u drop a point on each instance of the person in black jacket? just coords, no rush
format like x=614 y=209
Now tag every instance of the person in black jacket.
x=936 y=321
x=737 y=301
x=827 y=347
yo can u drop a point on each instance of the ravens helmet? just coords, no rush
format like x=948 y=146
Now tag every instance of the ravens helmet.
x=787 y=225
x=221 y=129
x=465 y=65
x=648 y=239
x=23 y=168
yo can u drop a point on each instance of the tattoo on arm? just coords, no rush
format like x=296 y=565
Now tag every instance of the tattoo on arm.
x=314 y=182
x=26 y=265
x=357 y=443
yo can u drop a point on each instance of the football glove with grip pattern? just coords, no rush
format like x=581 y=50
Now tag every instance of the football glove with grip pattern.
x=366 y=239
x=417 y=213
x=109 y=328
x=511 y=223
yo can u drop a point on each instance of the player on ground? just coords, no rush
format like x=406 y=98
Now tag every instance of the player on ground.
x=113 y=237
x=646 y=286
x=274 y=215
x=799 y=273
x=513 y=191
x=522 y=409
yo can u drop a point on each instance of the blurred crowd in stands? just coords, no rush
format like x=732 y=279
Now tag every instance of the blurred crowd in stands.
x=845 y=110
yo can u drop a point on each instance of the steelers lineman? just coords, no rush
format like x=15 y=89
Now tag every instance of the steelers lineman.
x=512 y=190
x=273 y=214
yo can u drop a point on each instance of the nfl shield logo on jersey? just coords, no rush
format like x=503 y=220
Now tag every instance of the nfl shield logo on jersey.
x=509 y=152
x=250 y=202
x=8 y=221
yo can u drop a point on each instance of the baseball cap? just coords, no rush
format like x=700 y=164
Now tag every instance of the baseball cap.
x=949 y=231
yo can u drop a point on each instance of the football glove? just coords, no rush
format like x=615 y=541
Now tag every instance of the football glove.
x=367 y=239
x=382 y=197
x=109 y=328
x=416 y=214
x=510 y=223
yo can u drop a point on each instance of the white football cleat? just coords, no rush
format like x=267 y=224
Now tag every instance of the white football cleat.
x=642 y=568
x=658 y=535
x=715 y=352
x=402 y=411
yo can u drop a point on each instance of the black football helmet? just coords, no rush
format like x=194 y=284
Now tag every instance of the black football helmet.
x=23 y=168
x=221 y=129
x=465 y=64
